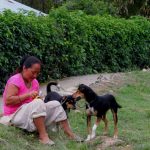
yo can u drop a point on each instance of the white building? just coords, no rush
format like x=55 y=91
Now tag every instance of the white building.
x=16 y=7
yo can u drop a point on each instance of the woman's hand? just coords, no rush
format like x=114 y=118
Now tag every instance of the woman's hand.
x=33 y=94
x=12 y=97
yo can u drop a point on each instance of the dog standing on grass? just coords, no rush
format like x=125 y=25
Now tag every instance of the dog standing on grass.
x=98 y=106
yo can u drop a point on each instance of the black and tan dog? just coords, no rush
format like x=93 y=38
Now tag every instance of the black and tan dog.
x=67 y=102
x=98 y=106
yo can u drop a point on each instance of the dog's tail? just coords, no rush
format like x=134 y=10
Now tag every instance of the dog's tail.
x=49 y=86
x=114 y=103
x=119 y=106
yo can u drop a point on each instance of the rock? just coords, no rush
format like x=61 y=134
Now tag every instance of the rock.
x=109 y=142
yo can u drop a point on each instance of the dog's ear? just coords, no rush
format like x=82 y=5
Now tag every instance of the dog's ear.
x=82 y=88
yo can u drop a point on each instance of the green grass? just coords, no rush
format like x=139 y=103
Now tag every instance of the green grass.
x=134 y=122
x=134 y=117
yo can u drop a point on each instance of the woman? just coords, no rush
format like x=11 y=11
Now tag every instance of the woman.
x=23 y=110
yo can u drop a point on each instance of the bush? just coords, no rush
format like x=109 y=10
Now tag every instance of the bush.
x=73 y=43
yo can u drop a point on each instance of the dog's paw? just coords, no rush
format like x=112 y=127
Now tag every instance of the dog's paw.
x=54 y=129
x=90 y=137
x=115 y=137
x=93 y=135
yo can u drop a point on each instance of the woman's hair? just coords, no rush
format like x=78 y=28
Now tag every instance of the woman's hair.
x=27 y=61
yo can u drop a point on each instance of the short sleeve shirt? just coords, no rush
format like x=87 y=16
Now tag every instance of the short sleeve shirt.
x=18 y=81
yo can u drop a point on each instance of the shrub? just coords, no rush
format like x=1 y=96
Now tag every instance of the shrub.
x=73 y=43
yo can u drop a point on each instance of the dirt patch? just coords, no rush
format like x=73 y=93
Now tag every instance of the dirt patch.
x=112 y=144
x=109 y=142
x=108 y=83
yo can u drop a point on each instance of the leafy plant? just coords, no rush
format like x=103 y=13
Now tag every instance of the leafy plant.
x=73 y=43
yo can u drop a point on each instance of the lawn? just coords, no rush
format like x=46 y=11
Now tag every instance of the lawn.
x=133 y=125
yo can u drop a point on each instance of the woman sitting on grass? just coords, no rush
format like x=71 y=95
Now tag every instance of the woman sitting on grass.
x=23 y=110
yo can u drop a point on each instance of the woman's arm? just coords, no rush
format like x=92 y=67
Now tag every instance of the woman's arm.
x=13 y=98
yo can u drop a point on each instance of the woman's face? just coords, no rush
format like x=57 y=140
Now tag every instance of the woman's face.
x=32 y=72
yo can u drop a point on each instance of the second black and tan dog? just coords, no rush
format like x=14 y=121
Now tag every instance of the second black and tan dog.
x=98 y=106
x=67 y=102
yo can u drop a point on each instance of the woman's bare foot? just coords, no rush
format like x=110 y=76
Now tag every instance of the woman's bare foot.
x=76 y=138
x=44 y=139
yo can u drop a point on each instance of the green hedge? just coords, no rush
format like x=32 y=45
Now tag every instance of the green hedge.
x=73 y=43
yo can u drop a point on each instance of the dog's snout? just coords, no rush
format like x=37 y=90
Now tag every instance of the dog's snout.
x=77 y=94
x=78 y=98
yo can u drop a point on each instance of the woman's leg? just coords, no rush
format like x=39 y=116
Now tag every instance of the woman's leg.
x=31 y=117
x=67 y=130
x=56 y=114
x=39 y=123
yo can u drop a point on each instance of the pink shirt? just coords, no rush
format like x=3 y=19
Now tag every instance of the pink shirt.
x=18 y=81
